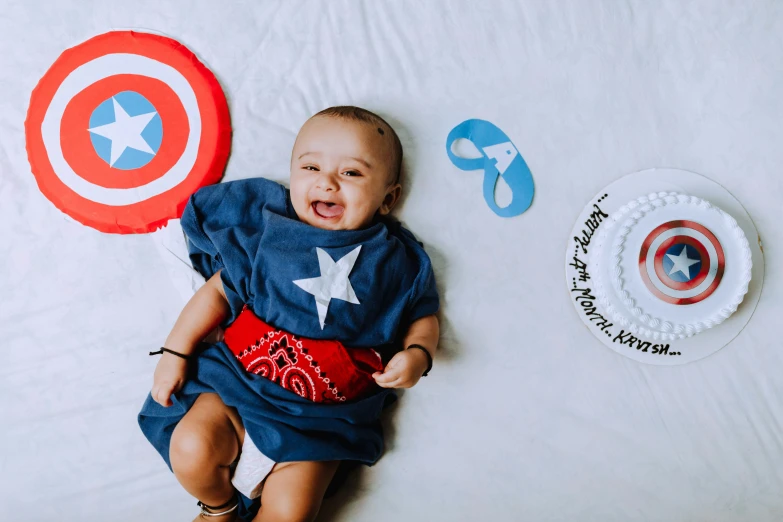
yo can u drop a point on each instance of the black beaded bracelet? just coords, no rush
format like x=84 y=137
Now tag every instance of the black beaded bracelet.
x=429 y=357
x=159 y=352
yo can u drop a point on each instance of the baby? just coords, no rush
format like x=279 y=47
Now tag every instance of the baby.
x=327 y=306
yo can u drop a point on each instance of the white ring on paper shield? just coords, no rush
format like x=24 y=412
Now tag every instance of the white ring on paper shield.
x=96 y=70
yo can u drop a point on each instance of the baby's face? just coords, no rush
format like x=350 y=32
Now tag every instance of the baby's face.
x=341 y=173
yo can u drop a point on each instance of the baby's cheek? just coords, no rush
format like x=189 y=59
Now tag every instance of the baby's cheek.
x=368 y=211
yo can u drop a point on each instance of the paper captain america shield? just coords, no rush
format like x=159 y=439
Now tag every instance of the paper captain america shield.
x=123 y=128
x=681 y=262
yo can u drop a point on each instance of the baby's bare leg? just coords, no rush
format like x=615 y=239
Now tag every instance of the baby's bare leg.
x=293 y=491
x=204 y=444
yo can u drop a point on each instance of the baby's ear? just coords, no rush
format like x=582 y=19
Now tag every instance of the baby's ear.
x=391 y=199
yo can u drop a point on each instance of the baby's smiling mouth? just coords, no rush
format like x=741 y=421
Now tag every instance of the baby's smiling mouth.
x=326 y=210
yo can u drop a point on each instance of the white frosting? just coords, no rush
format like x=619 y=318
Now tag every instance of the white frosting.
x=619 y=287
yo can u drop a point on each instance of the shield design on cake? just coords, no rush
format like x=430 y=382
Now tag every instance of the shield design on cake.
x=681 y=262
x=123 y=128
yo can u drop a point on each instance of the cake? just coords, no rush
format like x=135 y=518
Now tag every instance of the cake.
x=668 y=266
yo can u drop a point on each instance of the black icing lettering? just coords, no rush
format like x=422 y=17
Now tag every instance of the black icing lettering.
x=586 y=300
x=591 y=225
x=581 y=267
x=621 y=337
x=585 y=294
x=628 y=339
x=603 y=324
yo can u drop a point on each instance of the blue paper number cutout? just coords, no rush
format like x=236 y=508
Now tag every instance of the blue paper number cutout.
x=500 y=158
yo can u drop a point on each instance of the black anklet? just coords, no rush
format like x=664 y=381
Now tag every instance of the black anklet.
x=209 y=511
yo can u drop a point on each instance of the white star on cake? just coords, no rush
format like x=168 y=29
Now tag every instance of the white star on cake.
x=682 y=263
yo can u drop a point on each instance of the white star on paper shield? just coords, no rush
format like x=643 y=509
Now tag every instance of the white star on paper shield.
x=125 y=132
x=333 y=283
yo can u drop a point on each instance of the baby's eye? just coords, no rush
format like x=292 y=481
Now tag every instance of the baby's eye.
x=310 y=167
x=352 y=173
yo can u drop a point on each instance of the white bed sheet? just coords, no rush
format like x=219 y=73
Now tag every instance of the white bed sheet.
x=526 y=416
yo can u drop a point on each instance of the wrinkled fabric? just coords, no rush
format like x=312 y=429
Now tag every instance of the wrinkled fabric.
x=282 y=425
x=249 y=232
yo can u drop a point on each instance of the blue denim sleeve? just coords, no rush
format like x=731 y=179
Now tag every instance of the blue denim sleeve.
x=423 y=299
x=223 y=224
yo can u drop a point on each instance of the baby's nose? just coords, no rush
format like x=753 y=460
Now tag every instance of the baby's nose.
x=328 y=181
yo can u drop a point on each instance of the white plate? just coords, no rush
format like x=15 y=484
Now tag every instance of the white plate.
x=583 y=296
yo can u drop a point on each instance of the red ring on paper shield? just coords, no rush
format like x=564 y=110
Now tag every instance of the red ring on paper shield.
x=703 y=284
x=194 y=115
x=78 y=149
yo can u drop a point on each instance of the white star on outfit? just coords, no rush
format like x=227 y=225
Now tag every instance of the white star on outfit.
x=333 y=283
x=682 y=263
x=125 y=132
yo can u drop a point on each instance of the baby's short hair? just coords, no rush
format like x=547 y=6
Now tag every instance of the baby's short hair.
x=349 y=112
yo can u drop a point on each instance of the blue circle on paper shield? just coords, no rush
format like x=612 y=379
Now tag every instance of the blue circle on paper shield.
x=133 y=104
x=675 y=251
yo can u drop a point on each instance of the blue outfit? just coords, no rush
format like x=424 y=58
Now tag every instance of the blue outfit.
x=249 y=230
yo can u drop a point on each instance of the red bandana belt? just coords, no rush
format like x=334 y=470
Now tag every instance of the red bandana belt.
x=321 y=371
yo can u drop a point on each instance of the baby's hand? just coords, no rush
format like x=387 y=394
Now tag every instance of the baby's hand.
x=169 y=378
x=403 y=371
